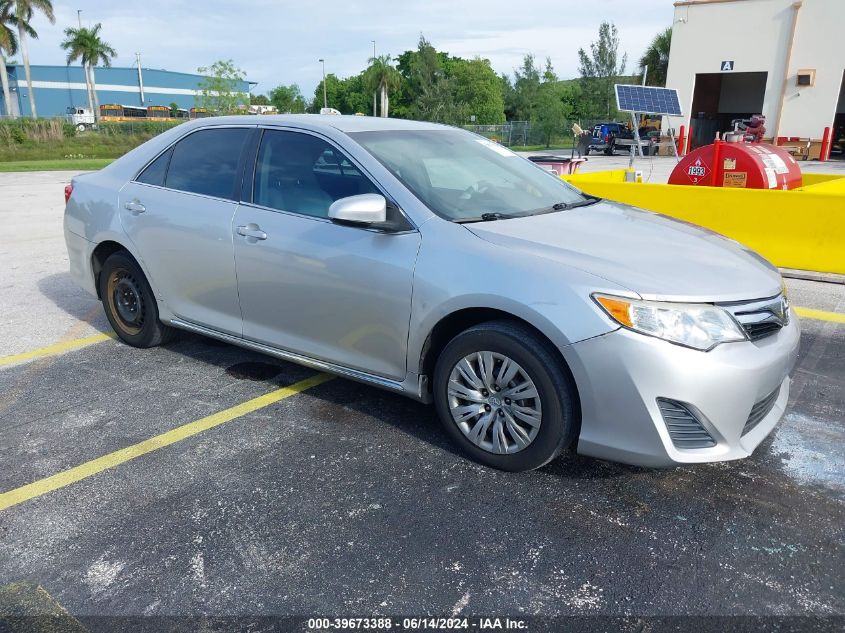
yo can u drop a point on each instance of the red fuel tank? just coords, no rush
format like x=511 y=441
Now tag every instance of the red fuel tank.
x=741 y=165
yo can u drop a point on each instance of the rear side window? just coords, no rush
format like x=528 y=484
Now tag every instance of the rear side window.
x=206 y=162
x=155 y=172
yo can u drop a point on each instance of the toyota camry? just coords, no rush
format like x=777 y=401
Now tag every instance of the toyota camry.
x=437 y=264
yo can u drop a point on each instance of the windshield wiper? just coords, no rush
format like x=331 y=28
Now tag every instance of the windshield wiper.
x=484 y=217
x=588 y=199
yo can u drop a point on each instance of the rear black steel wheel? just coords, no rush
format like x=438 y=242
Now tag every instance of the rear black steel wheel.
x=129 y=302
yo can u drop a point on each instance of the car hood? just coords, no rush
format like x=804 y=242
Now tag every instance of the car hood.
x=653 y=255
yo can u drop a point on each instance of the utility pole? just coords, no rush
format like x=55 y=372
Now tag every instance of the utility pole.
x=375 y=91
x=140 y=77
x=325 y=99
x=79 y=17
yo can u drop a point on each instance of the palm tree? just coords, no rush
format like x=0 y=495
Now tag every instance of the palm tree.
x=656 y=58
x=381 y=76
x=24 y=10
x=86 y=45
x=8 y=45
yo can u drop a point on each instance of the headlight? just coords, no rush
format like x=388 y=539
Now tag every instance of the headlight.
x=695 y=325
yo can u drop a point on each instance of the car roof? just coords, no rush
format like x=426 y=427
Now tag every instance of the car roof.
x=342 y=123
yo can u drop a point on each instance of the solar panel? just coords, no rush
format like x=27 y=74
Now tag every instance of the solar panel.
x=647 y=100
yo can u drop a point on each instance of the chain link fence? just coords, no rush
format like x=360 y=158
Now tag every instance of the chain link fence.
x=528 y=134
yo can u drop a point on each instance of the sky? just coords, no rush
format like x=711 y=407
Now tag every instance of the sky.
x=280 y=42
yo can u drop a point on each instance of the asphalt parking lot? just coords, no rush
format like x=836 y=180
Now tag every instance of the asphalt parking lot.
x=337 y=499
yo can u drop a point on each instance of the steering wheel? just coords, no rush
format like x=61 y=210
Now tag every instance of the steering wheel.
x=476 y=190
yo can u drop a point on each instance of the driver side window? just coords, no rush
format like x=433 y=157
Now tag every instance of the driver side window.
x=301 y=173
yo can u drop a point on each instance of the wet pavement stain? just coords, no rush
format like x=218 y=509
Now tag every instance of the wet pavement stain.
x=252 y=370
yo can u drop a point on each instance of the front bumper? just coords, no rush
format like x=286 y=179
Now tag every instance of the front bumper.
x=621 y=375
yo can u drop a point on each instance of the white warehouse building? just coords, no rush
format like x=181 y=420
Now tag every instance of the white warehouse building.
x=780 y=58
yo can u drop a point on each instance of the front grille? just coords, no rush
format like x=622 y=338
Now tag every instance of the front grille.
x=684 y=428
x=760 y=318
x=756 y=331
x=760 y=411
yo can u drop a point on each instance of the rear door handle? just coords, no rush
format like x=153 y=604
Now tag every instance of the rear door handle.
x=134 y=206
x=252 y=230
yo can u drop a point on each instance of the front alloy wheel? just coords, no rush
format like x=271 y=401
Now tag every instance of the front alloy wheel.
x=494 y=402
x=505 y=396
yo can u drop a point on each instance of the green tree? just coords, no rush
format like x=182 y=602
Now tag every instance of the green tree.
x=24 y=12
x=259 y=100
x=382 y=77
x=526 y=87
x=601 y=69
x=476 y=90
x=508 y=96
x=335 y=94
x=219 y=87
x=656 y=58
x=288 y=99
x=428 y=93
x=174 y=109
x=549 y=73
x=556 y=102
x=357 y=95
x=87 y=46
x=8 y=46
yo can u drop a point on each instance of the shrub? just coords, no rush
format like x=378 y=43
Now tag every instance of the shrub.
x=54 y=139
x=28 y=132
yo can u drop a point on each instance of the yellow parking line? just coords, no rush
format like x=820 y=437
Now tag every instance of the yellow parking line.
x=56 y=348
x=98 y=465
x=821 y=315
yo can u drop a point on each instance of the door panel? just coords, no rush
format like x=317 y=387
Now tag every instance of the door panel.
x=178 y=213
x=332 y=292
x=185 y=241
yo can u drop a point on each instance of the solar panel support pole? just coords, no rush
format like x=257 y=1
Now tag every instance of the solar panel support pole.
x=636 y=134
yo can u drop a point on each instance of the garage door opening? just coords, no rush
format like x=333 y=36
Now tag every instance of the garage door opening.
x=720 y=98
x=837 y=149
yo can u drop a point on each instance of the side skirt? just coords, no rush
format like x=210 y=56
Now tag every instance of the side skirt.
x=414 y=386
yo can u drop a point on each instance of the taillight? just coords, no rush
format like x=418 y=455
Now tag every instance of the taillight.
x=68 y=191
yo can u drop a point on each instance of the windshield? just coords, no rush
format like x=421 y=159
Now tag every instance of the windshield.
x=461 y=176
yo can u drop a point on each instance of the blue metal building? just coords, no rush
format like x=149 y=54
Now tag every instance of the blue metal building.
x=57 y=88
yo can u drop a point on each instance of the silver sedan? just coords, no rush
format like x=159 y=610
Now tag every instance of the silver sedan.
x=432 y=262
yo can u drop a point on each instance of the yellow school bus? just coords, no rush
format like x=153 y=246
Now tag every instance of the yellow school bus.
x=158 y=112
x=115 y=112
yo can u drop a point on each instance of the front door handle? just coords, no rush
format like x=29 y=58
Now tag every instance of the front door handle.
x=134 y=206
x=252 y=230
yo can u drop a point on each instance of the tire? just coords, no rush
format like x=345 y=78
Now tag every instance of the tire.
x=553 y=416
x=129 y=303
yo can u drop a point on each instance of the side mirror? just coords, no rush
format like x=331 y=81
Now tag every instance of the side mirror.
x=367 y=208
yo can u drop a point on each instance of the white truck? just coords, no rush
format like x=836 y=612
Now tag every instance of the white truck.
x=81 y=118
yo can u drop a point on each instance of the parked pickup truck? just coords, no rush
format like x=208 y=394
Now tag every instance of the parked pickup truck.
x=608 y=136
